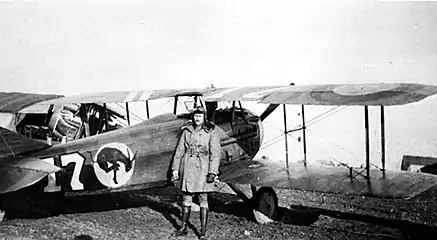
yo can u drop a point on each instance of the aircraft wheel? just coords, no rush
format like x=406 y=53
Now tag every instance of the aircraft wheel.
x=265 y=201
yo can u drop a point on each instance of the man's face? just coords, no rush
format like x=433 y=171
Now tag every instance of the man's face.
x=198 y=118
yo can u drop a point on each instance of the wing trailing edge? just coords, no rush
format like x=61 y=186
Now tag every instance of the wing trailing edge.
x=376 y=94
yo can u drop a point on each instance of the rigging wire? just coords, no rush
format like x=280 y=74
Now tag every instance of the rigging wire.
x=320 y=115
x=312 y=121
x=130 y=112
x=335 y=144
x=137 y=117
x=329 y=113
x=271 y=141
x=354 y=155
x=7 y=145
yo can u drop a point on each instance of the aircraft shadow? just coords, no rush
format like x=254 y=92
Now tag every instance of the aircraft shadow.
x=21 y=206
x=409 y=230
x=165 y=200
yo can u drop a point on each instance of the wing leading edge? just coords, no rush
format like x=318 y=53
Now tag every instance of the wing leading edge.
x=332 y=94
x=392 y=184
x=340 y=94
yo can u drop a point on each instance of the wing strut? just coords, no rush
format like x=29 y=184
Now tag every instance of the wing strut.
x=285 y=136
x=175 y=107
x=106 y=119
x=366 y=126
x=127 y=113
x=147 y=109
x=383 y=139
x=304 y=137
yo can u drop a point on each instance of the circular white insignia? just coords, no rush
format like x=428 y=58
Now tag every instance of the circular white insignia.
x=363 y=89
x=114 y=164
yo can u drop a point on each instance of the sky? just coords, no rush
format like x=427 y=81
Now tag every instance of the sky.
x=75 y=47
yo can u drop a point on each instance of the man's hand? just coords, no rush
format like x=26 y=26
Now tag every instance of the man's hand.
x=211 y=177
x=174 y=175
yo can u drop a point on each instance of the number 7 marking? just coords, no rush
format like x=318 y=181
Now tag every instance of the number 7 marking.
x=65 y=160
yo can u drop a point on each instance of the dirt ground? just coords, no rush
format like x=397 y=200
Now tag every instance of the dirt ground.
x=155 y=214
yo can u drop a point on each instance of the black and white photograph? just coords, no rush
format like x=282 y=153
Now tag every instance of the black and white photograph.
x=218 y=119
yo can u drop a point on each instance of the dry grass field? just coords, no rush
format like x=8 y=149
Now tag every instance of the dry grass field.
x=155 y=214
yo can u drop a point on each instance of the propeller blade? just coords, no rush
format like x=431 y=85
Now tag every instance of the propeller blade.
x=268 y=111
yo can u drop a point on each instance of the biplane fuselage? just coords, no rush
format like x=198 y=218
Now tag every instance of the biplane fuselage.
x=140 y=156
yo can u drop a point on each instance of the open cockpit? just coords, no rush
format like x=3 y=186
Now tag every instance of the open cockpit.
x=68 y=122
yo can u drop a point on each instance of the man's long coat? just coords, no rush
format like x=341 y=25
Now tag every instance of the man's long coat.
x=197 y=154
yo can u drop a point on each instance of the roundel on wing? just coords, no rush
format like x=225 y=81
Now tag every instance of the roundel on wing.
x=364 y=89
x=114 y=164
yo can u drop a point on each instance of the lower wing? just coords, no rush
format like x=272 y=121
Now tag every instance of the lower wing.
x=330 y=179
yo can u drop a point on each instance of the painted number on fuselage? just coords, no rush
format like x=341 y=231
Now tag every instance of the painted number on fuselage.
x=65 y=160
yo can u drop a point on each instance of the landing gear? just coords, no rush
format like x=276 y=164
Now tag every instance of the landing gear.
x=265 y=204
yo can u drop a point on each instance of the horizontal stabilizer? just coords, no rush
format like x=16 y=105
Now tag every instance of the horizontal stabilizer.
x=18 y=173
x=12 y=144
x=391 y=184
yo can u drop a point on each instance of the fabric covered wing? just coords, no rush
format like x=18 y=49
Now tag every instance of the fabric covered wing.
x=12 y=143
x=126 y=96
x=14 y=101
x=340 y=94
x=392 y=184
x=17 y=173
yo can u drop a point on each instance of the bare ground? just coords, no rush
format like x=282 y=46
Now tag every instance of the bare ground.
x=155 y=214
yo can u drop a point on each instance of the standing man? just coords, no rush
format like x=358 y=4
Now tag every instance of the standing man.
x=196 y=163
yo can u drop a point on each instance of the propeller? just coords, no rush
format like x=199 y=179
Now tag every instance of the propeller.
x=270 y=109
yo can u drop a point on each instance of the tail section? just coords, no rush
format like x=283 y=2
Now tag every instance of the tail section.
x=14 y=144
x=17 y=173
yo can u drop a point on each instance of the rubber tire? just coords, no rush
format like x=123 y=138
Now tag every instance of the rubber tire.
x=272 y=209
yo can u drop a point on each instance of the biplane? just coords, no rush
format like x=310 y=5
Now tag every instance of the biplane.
x=74 y=146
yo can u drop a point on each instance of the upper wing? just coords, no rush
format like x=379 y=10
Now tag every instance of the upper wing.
x=119 y=97
x=392 y=184
x=340 y=94
x=14 y=101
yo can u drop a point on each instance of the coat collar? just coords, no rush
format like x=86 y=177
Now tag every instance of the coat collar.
x=207 y=126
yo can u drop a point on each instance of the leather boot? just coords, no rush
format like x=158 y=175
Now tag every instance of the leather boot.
x=183 y=231
x=203 y=222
